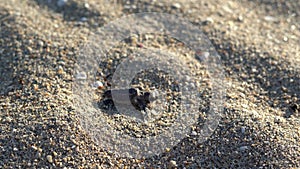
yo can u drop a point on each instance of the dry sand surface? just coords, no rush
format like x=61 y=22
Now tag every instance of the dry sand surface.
x=258 y=41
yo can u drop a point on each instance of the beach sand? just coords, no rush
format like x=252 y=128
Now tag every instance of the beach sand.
x=258 y=43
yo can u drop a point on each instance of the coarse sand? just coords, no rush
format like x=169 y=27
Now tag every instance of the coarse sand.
x=258 y=43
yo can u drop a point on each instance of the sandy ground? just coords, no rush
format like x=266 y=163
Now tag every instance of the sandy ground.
x=258 y=42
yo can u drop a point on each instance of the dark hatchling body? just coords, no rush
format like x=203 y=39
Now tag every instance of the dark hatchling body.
x=140 y=100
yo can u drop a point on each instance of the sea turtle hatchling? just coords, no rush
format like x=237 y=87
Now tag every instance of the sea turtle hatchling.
x=140 y=100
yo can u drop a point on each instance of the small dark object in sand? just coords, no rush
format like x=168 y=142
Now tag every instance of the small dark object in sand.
x=140 y=100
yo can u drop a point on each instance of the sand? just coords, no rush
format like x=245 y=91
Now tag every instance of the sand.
x=258 y=43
